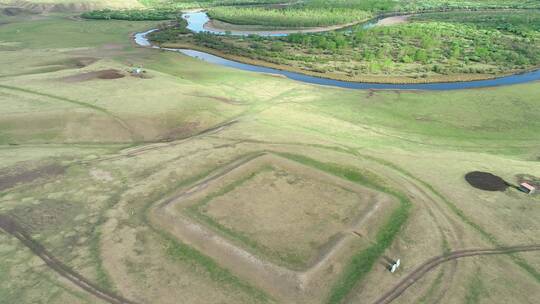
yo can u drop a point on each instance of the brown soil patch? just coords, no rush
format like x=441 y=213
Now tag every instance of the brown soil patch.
x=71 y=63
x=181 y=132
x=317 y=211
x=15 y=11
x=110 y=74
x=8 y=224
x=103 y=74
x=11 y=179
x=486 y=181
x=82 y=62
x=48 y=214
x=218 y=98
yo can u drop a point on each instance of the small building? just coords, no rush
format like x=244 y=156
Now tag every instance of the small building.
x=527 y=188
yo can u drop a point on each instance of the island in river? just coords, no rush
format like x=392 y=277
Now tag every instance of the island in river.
x=395 y=49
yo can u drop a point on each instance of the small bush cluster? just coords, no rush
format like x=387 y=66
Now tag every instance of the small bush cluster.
x=168 y=33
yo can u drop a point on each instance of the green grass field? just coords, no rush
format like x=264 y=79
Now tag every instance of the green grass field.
x=128 y=143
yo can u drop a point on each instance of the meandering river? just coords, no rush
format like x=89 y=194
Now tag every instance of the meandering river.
x=200 y=22
x=196 y=22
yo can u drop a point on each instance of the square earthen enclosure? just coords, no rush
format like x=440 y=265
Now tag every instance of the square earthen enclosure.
x=285 y=227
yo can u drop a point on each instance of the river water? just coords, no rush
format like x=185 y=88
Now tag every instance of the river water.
x=196 y=23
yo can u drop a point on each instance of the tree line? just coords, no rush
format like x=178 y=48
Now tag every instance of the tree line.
x=309 y=17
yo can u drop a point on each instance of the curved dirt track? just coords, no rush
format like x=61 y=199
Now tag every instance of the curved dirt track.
x=427 y=266
x=124 y=125
x=10 y=226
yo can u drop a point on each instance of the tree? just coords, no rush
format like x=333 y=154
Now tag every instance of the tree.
x=406 y=59
x=421 y=56
x=455 y=52
x=340 y=40
x=482 y=53
x=276 y=47
x=359 y=36
x=295 y=38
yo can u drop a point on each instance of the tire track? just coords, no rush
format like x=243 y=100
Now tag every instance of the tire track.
x=138 y=150
x=420 y=194
x=430 y=264
x=104 y=111
x=10 y=226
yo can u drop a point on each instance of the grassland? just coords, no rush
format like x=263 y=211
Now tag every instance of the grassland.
x=38 y=6
x=126 y=143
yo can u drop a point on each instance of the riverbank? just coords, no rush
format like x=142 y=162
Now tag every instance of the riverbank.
x=214 y=25
x=371 y=57
x=199 y=21
x=393 y=20
x=371 y=79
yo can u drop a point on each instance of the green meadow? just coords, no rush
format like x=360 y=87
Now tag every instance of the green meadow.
x=126 y=143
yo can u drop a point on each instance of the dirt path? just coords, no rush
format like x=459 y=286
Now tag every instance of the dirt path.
x=430 y=264
x=10 y=226
x=141 y=149
x=114 y=117
x=449 y=228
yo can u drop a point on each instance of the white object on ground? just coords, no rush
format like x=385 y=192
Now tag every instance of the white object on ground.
x=395 y=266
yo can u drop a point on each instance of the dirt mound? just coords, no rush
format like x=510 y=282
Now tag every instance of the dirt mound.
x=103 y=74
x=486 y=181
